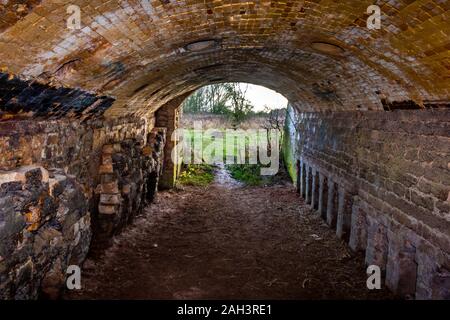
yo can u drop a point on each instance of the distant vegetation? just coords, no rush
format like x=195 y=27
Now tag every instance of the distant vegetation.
x=225 y=99
x=199 y=175
x=250 y=174
x=224 y=106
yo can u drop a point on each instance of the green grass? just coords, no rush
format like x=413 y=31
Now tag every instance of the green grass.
x=199 y=175
x=202 y=175
x=250 y=174
x=190 y=134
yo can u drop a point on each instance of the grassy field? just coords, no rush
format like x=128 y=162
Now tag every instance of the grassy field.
x=240 y=166
x=203 y=174
x=212 y=145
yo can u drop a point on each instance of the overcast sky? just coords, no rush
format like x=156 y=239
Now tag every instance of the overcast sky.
x=260 y=96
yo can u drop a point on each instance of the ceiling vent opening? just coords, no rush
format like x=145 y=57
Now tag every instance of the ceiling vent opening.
x=202 y=45
x=327 y=48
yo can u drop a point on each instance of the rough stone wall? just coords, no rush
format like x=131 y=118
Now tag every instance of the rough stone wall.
x=44 y=228
x=64 y=182
x=382 y=179
x=129 y=175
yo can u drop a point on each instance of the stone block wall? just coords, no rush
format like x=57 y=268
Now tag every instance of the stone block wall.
x=44 y=228
x=65 y=182
x=129 y=175
x=382 y=180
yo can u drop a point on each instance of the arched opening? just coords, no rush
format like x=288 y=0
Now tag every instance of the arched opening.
x=90 y=98
x=234 y=130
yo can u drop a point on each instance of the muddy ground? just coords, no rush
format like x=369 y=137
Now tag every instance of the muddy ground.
x=227 y=241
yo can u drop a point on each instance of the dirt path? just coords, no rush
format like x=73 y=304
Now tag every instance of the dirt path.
x=223 y=178
x=227 y=243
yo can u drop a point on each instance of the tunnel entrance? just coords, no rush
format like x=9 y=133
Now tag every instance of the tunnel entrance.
x=236 y=127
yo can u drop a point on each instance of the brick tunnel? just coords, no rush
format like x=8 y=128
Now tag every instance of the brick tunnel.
x=87 y=111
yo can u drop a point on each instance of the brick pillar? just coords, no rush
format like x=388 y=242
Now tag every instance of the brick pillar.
x=401 y=268
x=315 y=190
x=323 y=195
x=332 y=204
x=344 y=216
x=308 y=185
x=377 y=244
x=298 y=173
x=358 y=234
x=303 y=180
x=433 y=273
x=167 y=117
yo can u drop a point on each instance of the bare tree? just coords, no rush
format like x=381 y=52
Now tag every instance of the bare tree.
x=274 y=121
x=212 y=98
x=223 y=98
x=216 y=97
x=240 y=106
x=196 y=103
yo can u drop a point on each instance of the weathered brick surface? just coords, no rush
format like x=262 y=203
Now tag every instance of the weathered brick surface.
x=388 y=189
x=137 y=51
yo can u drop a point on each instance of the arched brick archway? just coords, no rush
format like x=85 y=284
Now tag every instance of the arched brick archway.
x=87 y=112
x=319 y=54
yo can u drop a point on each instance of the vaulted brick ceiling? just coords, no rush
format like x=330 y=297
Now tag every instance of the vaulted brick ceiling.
x=135 y=50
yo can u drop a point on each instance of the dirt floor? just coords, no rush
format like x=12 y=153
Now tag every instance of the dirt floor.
x=227 y=242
